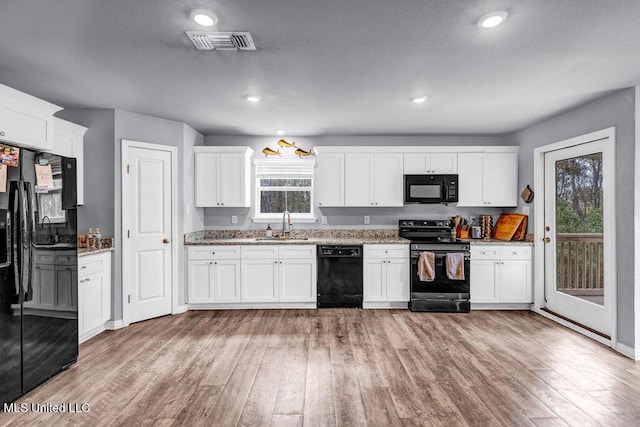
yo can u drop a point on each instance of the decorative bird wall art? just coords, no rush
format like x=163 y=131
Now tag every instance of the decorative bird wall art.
x=283 y=143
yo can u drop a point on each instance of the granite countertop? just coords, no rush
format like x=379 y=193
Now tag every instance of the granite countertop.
x=304 y=237
x=90 y=251
x=527 y=242
x=307 y=241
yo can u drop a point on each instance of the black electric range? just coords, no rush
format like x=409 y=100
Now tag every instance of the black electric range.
x=442 y=294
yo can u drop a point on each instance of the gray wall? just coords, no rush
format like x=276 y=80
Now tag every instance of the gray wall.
x=616 y=110
x=103 y=204
x=349 y=217
x=99 y=157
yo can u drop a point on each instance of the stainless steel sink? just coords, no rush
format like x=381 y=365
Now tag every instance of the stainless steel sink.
x=54 y=246
x=280 y=239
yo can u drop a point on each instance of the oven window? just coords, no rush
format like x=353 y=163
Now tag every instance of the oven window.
x=429 y=191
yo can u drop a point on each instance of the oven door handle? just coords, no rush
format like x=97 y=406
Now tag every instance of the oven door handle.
x=414 y=258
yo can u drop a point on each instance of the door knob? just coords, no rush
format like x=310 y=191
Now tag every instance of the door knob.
x=165 y=240
x=547 y=239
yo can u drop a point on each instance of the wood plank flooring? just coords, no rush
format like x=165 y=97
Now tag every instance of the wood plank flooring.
x=343 y=367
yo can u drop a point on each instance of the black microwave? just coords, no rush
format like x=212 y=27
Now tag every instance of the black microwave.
x=431 y=188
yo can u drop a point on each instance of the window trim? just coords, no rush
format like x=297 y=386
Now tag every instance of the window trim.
x=285 y=164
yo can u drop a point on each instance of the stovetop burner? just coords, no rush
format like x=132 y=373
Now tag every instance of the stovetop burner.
x=426 y=230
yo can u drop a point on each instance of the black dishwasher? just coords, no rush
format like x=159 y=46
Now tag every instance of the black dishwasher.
x=339 y=276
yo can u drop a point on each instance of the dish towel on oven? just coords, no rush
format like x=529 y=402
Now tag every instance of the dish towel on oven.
x=426 y=266
x=455 y=266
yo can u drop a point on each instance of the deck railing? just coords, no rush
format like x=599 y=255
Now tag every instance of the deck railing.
x=579 y=263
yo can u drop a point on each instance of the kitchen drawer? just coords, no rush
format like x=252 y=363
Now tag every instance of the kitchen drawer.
x=45 y=257
x=485 y=252
x=66 y=258
x=214 y=252
x=515 y=252
x=260 y=252
x=93 y=264
x=297 y=251
x=386 y=251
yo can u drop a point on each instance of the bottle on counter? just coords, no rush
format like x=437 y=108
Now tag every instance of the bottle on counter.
x=90 y=238
x=97 y=239
x=269 y=231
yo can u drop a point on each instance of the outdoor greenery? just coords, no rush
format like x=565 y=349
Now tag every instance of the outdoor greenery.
x=579 y=195
x=285 y=194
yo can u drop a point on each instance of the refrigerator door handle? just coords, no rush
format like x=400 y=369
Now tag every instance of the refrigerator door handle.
x=27 y=234
x=14 y=205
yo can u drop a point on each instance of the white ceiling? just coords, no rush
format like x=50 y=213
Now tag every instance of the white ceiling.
x=325 y=66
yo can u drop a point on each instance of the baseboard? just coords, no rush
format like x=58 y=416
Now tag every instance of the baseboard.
x=92 y=333
x=112 y=325
x=181 y=309
x=501 y=306
x=394 y=304
x=627 y=351
x=252 y=306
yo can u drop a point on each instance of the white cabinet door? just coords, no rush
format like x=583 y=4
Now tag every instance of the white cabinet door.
x=200 y=281
x=78 y=153
x=226 y=281
x=297 y=280
x=26 y=120
x=470 y=182
x=417 y=163
x=207 y=170
x=358 y=180
x=92 y=291
x=514 y=281
x=374 y=280
x=232 y=180
x=387 y=180
x=500 y=179
x=105 y=277
x=483 y=281
x=444 y=163
x=259 y=280
x=329 y=180
x=69 y=142
x=397 y=279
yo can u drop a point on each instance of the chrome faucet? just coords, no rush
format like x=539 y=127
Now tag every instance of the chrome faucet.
x=49 y=227
x=285 y=231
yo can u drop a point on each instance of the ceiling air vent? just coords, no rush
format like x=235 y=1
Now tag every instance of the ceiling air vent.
x=206 y=40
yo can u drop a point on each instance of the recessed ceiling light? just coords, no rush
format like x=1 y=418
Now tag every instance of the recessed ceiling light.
x=280 y=132
x=419 y=99
x=253 y=98
x=204 y=17
x=492 y=19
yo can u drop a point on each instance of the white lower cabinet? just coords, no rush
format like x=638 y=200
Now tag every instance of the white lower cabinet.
x=265 y=274
x=285 y=273
x=213 y=274
x=214 y=281
x=94 y=294
x=501 y=274
x=386 y=273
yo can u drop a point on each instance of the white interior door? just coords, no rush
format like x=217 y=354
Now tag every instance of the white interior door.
x=579 y=234
x=149 y=223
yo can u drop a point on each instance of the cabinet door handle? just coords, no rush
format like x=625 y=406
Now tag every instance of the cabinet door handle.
x=1 y=133
x=222 y=204
x=213 y=253
x=215 y=263
x=84 y=267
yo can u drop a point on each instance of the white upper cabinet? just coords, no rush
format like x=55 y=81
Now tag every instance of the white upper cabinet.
x=329 y=180
x=223 y=176
x=430 y=163
x=488 y=179
x=387 y=180
x=25 y=120
x=373 y=179
x=69 y=142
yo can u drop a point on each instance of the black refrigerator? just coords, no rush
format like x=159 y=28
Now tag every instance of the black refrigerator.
x=38 y=272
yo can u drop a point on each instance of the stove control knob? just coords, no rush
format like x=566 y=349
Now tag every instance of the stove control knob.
x=354 y=252
x=410 y=223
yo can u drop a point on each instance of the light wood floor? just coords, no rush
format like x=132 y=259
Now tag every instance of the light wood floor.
x=345 y=367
